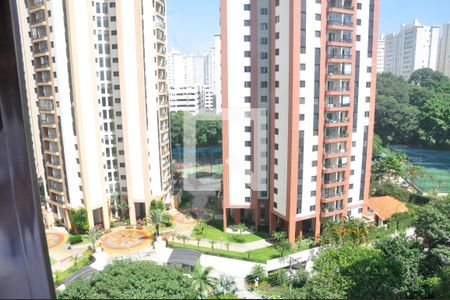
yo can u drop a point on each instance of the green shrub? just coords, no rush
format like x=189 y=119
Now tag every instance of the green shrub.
x=167 y=220
x=75 y=239
x=278 y=278
x=237 y=238
x=156 y=204
x=79 y=220
x=300 y=278
x=257 y=272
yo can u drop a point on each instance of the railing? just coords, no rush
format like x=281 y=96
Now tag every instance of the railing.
x=341 y=120
x=39 y=35
x=338 y=166
x=337 y=55
x=338 y=72
x=40 y=50
x=332 y=195
x=340 y=4
x=338 y=104
x=338 y=88
x=332 y=181
x=337 y=151
x=340 y=23
x=341 y=40
x=335 y=136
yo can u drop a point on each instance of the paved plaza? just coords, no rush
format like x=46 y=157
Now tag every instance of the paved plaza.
x=126 y=240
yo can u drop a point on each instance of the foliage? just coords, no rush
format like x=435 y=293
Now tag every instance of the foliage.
x=208 y=132
x=402 y=221
x=156 y=218
x=124 y=279
x=278 y=278
x=93 y=235
x=388 y=166
x=79 y=220
x=59 y=277
x=258 y=272
x=200 y=228
x=186 y=200
x=414 y=113
x=239 y=228
x=226 y=285
x=279 y=235
x=157 y=205
x=75 y=239
x=390 y=189
x=283 y=247
x=299 y=278
x=214 y=231
x=346 y=230
x=202 y=281
x=442 y=290
x=167 y=219
x=433 y=223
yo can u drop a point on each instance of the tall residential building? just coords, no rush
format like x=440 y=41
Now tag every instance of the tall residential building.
x=444 y=51
x=298 y=92
x=98 y=103
x=414 y=47
x=188 y=70
x=185 y=99
x=215 y=77
x=380 y=55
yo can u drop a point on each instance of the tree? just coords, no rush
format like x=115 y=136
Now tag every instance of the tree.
x=346 y=230
x=157 y=205
x=435 y=124
x=239 y=228
x=156 y=219
x=258 y=272
x=94 y=234
x=390 y=189
x=124 y=279
x=278 y=278
x=79 y=220
x=202 y=281
x=184 y=238
x=442 y=291
x=389 y=85
x=299 y=278
x=225 y=285
x=391 y=165
x=432 y=80
x=122 y=207
x=283 y=247
x=279 y=235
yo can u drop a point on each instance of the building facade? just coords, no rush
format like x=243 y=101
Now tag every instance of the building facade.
x=215 y=77
x=98 y=103
x=298 y=93
x=413 y=48
x=443 y=64
x=186 y=99
x=380 y=55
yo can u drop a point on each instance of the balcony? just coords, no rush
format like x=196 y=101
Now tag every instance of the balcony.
x=160 y=22
x=38 y=33
x=46 y=105
x=340 y=23
x=37 y=18
x=341 y=4
x=339 y=56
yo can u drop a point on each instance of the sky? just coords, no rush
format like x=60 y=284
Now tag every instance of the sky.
x=192 y=23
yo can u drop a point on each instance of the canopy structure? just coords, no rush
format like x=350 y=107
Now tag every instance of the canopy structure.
x=184 y=257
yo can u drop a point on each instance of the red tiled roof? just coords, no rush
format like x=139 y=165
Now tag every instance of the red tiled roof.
x=387 y=206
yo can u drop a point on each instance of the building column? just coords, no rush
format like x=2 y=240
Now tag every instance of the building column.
x=299 y=229
x=291 y=227
x=106 y=217
x=272 y=223
x=257 y=216
x=67 y=219
x=317 y=229
x=237 y=216
x=132 y=212
x=225 y=220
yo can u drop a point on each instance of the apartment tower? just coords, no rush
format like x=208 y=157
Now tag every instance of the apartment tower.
x=96 y=84
x=298 y=92
x=443 y=63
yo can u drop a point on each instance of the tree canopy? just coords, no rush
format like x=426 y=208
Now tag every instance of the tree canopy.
x=416 y=112
x=132 y=280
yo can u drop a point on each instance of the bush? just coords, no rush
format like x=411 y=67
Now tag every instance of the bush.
x=257 y=272
x=300 y=278
x=237 y=238
x=390 y=189
x=186 y=200
x=156 y=204
x=278 y=278
x=200 y=228
x=75 y=239
x=167 y=220
x=79 y=220
x=403 y=221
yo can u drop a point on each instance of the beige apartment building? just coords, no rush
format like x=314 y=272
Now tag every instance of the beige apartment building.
x=298 y=103
x=96 y=84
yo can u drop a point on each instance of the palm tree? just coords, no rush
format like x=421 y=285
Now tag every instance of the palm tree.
x=94 y=234
x=156 y=219
x=225 y=285
x=115 y=199
x=122 y=208
x=283 y=247
x=279 y=235
x=202 y=281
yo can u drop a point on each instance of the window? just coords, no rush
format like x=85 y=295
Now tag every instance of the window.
x=302 y=83
x=276 y=161
x=264 y=41
x=318 y=17
x=277 y=2
x=277 y=51
x=277 y=99
x=315 y=148
x=302 y=67
x=314 y=163
x=264 y=11
x=276 y=131
x=277 y=68
x=349 y=213
x=264 y=70
x=113 y=19
x=263 y=84
x=248 y=200
x=248 y=143
x=302 y=117
x=247 y=99
x=264 y=55
x=275 y=205
x=350 y=200
x=358 y=37
x=313 y=193
x=350 y=186
x=247 y=54
x=359 y=6
x=277 y=19
x=312 y=208
x=263 y=98
x=248 y=129
x=368 y=84
x=360 y=210
x=277 y=83
x=277 y=35
x=302 y=100
x=247 y=38
x=352 y=172
x=366 y=114
x=275 y=191
x=248 y=158
x=369 y=69
x=276 y=146
x=358 y=22
x=275 y=175
x=313 y=178
x=247 y=84
x=247 y=22
x=246 y=6
x=263 y=26
x=247 y=69
x=367 y=99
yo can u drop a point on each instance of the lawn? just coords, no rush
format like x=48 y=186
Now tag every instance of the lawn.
x=59 y=277
x=261 y=255
x=213 y=231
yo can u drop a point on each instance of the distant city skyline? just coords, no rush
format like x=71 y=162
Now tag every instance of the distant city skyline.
x=192 y=24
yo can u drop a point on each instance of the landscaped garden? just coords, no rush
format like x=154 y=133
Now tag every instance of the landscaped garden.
x=213 y=230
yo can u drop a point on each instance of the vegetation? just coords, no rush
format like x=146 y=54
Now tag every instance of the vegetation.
x=260 y=255
x=416 y=112
x=258 y=272
x=394 y=267
x=75 y=239
x=80 y=262
x=79 y=220
x=202 y=281
x=93 y=235
x=349 y=230
x=186 y=200
x=225 y=285
x=213 y=231
x=208 y=132
x=131 y=280
x=157 y=205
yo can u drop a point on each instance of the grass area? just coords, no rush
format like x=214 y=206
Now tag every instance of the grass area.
x=59 y=277
x=208 y=168
x=53 y=261
x=213 y=231
x=259 y=255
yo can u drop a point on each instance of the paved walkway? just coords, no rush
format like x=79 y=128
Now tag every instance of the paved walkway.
x=126 y=240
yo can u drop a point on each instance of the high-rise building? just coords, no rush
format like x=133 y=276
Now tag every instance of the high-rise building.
x=98 y=104
x=380 y=55
x=298 y=92
x=188 y=70
x=215 y=77
x=414 y=47
x=444 y=51
x=185 y=99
